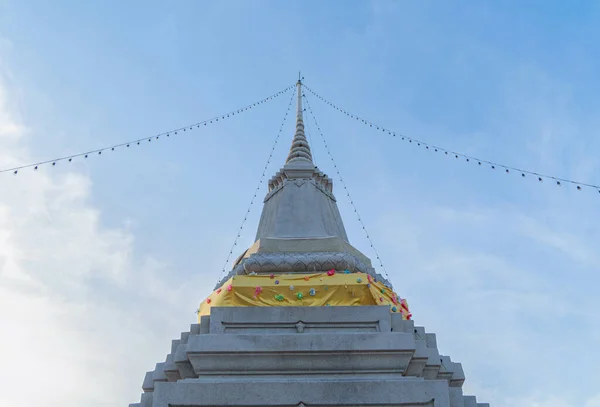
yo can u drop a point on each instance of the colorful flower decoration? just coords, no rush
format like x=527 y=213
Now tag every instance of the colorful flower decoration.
x=272 y=276
x=279 y=297
x=382 y=291
x=369 y=285
x=208 y=301
x=299 y=296
x=257 y=290
x=369 y=278
x=346 y=272
x=312 y=291
x=380 y=299
x=229 y=287
x=219 y=291
x=306 y=278
x=359 y=280
x=331 y=272
x=394 y=309
x=276 y=282
x=292 y=287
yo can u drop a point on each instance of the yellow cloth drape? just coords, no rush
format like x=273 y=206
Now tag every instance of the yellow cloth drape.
x=320 y=289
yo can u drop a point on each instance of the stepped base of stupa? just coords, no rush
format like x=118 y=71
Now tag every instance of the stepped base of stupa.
x=305 y=356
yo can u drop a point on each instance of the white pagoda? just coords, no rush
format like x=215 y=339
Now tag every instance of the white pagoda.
x=303 y=319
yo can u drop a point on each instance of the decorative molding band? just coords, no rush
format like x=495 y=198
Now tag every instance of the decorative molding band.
x=288 y=262
x=278 y=186
x=300 y=327
x=299 y=262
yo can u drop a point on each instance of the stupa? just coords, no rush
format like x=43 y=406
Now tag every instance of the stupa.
x=303 y=318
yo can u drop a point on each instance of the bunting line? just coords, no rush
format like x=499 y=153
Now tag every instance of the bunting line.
x=337 y=170
x=493 y=165
x=69 y=158
x=257 y=189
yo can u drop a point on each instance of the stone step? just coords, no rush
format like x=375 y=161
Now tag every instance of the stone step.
x=456 y=397
x=401 y=392
x=458 y=375
x=470 y=401
x=174 y=344
x=301 y=344
x=147 y=400
x=432 y=367
x=355 y=354
x=445 y=373
x=401 y=325
x=159 y=373
x=451 y=371
x=431 y=340
x=171 y=370
x=182 y=362
x=419 y=333
x=419 y=359
x=148 y=384
x=203 y=327
x=286 y=320
x=170 y=367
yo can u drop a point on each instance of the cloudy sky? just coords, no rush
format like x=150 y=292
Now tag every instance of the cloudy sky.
x=103 y=261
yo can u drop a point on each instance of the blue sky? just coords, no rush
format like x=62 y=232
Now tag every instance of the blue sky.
x=103 y=262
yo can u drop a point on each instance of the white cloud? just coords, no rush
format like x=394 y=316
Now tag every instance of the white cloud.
x=75 y=312
x=593 y=402
x=509 y=316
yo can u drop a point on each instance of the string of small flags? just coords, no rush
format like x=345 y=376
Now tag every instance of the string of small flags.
x=493 y=165
x=346 y=190
x=257 y=189
x=97 y=152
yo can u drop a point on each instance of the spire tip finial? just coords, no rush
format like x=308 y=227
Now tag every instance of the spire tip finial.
x=300 y=150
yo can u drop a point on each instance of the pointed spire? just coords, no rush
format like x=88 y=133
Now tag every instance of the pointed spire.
x=300 y=150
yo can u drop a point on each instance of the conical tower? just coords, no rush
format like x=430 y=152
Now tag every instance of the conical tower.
x=300 y=229
x=303 y=319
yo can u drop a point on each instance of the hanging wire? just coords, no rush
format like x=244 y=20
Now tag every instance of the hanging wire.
x=35 y=166
x=493 y=165
x=257 y=189
x=337 y=170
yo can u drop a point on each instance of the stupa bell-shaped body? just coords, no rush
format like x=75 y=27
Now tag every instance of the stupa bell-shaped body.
x=300 y=229
x=300 y=202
